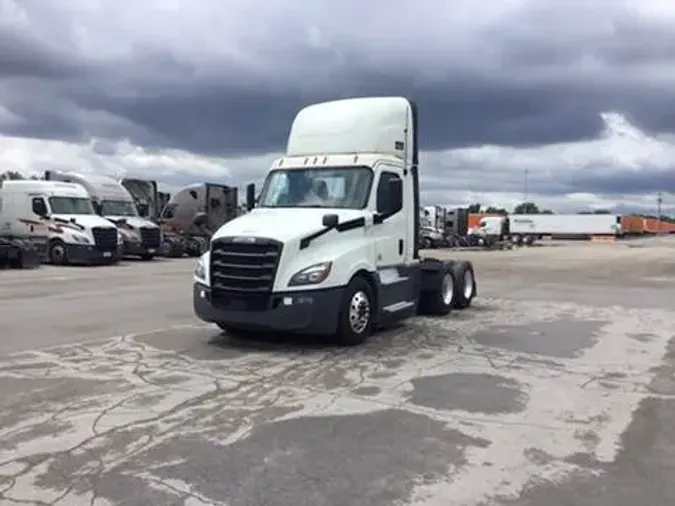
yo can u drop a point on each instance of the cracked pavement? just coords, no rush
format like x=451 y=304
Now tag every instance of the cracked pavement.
x=558 y=392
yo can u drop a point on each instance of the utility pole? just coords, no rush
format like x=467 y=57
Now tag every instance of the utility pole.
x=525 y=206
x=659 y=201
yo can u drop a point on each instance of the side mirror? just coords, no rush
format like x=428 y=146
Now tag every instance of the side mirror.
x=250 y=196
x=143 y=210
x=330 y=220
x=395 y=195
x=200 y=219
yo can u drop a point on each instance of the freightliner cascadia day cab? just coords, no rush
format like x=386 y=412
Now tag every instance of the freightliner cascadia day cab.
x=64 y=214
x=332 y=246
x=140 y=237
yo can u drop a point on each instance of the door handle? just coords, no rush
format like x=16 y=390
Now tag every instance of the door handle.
x=400 y=246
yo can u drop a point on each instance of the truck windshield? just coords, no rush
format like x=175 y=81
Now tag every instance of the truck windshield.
x=330 y=187
x=118 y=208
x=71 y=205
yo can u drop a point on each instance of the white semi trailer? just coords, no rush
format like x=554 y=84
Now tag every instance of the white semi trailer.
x=332 y=246
x=527 y=228
x=569 y=225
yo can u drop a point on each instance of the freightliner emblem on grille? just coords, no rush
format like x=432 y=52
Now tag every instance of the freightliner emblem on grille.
x=244 y=239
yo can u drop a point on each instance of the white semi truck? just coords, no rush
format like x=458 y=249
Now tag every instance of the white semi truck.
x=61 y=216
x=140 y=236
x=332 y=246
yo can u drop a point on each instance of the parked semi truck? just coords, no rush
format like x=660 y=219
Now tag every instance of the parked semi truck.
x=527 y=228
x=60 y=219
x=140 y=236
x=332 y=246
x=215 y=203
x=21 y=245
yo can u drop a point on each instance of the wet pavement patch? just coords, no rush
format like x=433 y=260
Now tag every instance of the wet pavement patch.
x=476 y=393
x=641 y=474
x=33 y=399
x=369 y=459
x=560 y=338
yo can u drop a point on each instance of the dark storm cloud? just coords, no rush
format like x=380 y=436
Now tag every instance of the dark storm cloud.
x=527 y=82
x=23 y=56
x=626 y=182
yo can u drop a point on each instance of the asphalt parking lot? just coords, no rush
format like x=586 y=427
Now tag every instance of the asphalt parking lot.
x=557 y=388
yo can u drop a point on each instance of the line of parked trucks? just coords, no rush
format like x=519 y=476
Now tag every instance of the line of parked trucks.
x=457 y=227
x=67 y=217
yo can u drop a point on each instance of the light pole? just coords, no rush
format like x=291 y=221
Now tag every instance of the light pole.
x=525 y=206
x=659 y=201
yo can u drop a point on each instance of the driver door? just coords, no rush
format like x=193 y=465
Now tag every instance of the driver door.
x=390 y=233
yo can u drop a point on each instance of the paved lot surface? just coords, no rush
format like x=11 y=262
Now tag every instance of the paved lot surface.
x=557 y=388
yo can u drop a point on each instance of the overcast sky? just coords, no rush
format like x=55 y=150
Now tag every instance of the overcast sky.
x=578 y=93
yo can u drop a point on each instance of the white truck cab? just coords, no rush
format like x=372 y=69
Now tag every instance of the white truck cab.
x=62 y=213
x=332 y=247
x=140 y=237
x=492 y=226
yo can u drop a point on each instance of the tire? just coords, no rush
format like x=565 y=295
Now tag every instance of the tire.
x=357 y=309
x=57 y=252
x=426 y=243
x=147 y=256
x=465 y=285
x=439 y=302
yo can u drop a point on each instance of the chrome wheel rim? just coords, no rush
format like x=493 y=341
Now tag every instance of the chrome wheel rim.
x=359 y=312
x=447 y=289
x=468 y=284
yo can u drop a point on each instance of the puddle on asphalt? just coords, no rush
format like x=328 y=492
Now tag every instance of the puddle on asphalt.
x=559 y=338
x=476 y=393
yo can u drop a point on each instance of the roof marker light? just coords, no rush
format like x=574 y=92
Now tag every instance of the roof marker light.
x=356 y=159
x=325 y=159
x=281 y=162
x=306 y=160
x=316 y=159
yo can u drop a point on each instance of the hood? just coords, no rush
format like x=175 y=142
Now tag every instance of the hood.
x=134 y=221
x=283 y=224
x=86 y=220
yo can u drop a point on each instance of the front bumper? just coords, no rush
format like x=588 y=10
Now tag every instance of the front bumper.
x=138 y=249
x=88 y=254
x=312 y=312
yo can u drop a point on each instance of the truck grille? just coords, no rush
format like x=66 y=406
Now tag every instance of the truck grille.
x=150 y=237
x=242 y=273
x=105 y=238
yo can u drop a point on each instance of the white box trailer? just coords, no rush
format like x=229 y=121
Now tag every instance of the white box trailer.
x=567 y=225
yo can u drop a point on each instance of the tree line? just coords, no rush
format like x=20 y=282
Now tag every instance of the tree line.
x=14 y=175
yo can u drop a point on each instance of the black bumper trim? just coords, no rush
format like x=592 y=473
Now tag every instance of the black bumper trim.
x=311 y=312
x=87 y=254
x=138 y=249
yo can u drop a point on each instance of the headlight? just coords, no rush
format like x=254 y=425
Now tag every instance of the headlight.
x=200 y=271
x=312 y=275
x=81 y=239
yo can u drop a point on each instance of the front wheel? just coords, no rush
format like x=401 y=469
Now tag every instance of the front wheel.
x=355 y=322
x=57 y=253
x=147 y=256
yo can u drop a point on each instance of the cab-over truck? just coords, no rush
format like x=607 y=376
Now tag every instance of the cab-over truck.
x=332 y=245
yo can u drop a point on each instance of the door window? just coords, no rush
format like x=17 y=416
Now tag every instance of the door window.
x=383 y=191
x=39 y=206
